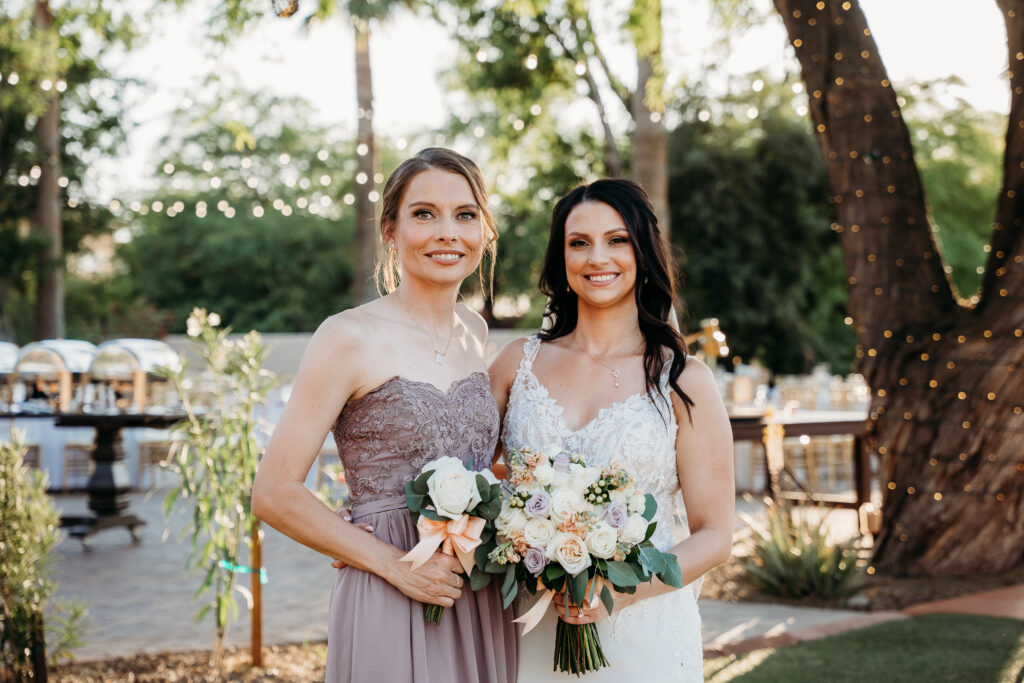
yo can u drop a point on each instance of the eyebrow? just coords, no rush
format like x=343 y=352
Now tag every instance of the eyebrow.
x=607 y=232
x=432 y=205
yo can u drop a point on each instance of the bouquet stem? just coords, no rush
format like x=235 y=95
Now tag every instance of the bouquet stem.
x=433 y=613
x=578 y=648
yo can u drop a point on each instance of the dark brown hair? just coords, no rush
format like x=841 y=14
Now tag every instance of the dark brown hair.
x=655 y=284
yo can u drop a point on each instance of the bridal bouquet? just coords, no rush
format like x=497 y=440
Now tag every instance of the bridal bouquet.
x=572 y=531
x=453 y=507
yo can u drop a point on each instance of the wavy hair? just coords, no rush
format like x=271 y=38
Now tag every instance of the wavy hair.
x=655 y=285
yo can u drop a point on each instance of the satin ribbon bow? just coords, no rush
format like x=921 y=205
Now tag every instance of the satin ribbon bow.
x=458 y=537
x=536 y=613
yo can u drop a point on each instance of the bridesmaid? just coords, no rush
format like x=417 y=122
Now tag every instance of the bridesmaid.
x=399 y=381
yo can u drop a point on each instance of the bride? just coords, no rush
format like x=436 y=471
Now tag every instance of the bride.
x=609 y=378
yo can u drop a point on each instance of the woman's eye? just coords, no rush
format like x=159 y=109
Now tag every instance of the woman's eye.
x=577 y=243
x=423 y=214
x=620 y=240
x=467 y=215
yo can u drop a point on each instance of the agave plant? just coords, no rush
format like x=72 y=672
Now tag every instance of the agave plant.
x=791 y=556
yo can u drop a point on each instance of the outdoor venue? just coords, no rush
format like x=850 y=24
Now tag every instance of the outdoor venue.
x=189 y=190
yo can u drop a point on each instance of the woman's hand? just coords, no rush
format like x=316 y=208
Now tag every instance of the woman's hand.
x=592 y=615
x=435 y=582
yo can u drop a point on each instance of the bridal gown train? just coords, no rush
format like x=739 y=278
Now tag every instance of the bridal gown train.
x=657 y=639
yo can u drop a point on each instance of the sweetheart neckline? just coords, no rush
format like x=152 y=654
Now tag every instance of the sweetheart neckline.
x=445 y=393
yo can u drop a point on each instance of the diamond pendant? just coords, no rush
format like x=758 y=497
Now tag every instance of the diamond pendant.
x=439 y=358
x=615 y=376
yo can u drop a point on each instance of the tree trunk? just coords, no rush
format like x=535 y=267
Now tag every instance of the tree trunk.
x=947 y=391
x=650 y=161
x=366 y=229
x=49 y=319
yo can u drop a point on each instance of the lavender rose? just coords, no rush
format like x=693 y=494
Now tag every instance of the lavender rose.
x=538 y=504
x=561 y=462
x=616 y=515
x=534 y=560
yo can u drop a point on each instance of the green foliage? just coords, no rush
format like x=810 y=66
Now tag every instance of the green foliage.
x=792 y=557
x=749 y=206
x=28 y=535
x=217 y=457
x=959 y=152
x=251 y=221
x=91 y=126
x=110 y=308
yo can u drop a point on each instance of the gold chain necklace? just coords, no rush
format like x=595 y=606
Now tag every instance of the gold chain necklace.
x=616 y=373
x=438 y=354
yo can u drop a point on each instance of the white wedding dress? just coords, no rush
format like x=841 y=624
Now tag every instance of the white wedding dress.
x=657 y=639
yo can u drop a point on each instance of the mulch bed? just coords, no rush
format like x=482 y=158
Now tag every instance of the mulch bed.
x=306 y=662
x=727 y=582
x=292 y=663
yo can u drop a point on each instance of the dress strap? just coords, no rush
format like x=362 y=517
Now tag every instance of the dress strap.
x=530 y=348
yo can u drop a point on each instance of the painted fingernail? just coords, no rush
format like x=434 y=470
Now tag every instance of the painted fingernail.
x=369 y=527
x=348 y=519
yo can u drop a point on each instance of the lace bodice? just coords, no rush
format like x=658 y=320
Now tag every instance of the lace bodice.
x=386 y=436
x=638 y=432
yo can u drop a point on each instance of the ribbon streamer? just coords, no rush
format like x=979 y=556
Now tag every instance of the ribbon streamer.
x=536 y=613
x=242 y=569
x=458 y=537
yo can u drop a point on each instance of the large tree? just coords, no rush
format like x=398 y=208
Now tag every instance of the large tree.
x=520 y=57
x=59 y=111
x=946 y=416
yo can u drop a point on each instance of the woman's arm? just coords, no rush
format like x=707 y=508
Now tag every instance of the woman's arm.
x=503 y=373
x=328 y=376
x=704 y=460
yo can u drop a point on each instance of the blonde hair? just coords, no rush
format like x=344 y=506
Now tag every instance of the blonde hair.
x=387 y=273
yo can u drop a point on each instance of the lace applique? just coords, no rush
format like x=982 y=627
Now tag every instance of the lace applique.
x=386 y=436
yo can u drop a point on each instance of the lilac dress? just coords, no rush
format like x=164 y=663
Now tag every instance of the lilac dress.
x=376 y=633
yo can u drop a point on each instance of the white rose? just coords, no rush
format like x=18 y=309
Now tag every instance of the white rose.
x=635 y=530
x=451 y=487
x=637 y=504
x=538 y=532
x=552 y=451
x=582 y=477
x=504 y=517
x=564 y=502
x=601 y=540
x=569 y=551
x=517 y=520
x=559 y=480
x=544 y=474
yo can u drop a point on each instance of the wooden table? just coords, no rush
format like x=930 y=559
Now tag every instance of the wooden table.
x=109 y=482
x=815 y=423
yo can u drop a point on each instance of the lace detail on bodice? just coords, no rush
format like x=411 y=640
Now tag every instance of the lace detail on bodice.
x=386 y=436
x=637 y=431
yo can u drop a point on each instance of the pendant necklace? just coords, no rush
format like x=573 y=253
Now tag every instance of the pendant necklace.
x=439 y=354
x=616 y=373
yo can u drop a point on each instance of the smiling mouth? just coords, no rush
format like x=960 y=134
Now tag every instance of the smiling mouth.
x=601 y=278
x=446 y=256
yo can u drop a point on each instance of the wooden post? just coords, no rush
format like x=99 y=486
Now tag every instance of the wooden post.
x=257 y=594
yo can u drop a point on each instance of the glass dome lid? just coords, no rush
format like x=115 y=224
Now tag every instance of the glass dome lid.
x=119 y=359
x=8 y=357
x=51 y=356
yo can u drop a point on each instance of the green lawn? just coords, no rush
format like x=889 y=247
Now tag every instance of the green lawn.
x=935 y=647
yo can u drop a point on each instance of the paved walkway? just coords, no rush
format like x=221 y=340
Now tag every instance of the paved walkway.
x=140 y=598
